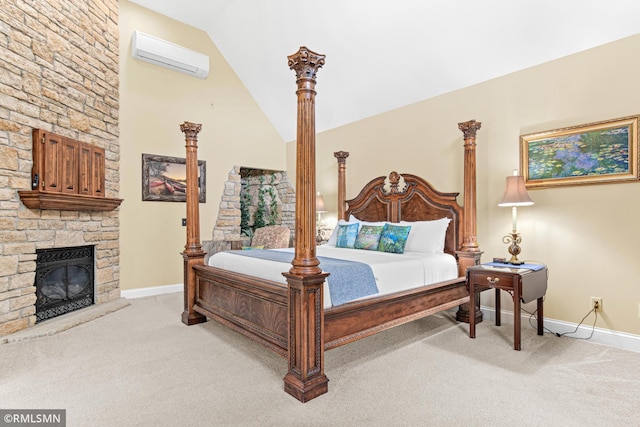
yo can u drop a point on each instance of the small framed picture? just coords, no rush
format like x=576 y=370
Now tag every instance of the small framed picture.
x=164 y=179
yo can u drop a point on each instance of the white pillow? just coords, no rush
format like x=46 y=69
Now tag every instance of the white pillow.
x=427 y=236
x=354 y=219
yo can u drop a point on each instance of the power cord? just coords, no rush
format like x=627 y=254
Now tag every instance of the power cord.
x=566 y=334
x=593 y=328
x=534 y=315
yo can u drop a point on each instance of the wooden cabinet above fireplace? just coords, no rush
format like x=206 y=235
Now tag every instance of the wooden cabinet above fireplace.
x=67 y=175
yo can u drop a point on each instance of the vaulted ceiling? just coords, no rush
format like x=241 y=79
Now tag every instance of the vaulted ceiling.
x=383 y=54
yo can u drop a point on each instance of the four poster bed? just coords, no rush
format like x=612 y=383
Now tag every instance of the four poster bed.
x=289 y=316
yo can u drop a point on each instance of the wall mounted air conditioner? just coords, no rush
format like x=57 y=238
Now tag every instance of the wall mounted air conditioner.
x=169 y=55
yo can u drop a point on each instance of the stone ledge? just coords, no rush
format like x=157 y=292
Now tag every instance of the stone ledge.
x=67 y=321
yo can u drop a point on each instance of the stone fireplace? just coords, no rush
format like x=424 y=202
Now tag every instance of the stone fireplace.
x=59 y=71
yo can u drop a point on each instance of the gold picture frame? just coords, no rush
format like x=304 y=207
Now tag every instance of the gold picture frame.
x=594 y=153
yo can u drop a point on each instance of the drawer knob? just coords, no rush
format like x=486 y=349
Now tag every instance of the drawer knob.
x=493 y=280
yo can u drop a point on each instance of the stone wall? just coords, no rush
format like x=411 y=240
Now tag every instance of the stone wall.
x=58 y=72
x=226 y=232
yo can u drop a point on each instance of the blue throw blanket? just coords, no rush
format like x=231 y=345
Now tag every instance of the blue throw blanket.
x=348 y=280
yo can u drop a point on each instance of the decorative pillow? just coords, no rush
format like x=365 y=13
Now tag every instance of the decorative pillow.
x=427 y=236
x=393 y=238
x=249 y=248
x=347 y=234
x=369 y=237
x=334 y=234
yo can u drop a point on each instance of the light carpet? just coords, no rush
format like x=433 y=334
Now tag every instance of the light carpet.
x=140 y=366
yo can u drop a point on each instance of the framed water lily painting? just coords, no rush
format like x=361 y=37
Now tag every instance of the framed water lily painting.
x=602 y=152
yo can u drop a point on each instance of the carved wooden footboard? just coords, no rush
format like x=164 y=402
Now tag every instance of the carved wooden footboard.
x=257 y=308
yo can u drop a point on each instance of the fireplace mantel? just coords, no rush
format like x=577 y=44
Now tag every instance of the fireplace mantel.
x=36 y=199
x=67 y=175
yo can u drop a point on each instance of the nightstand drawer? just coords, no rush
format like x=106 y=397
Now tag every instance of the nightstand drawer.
x=493 y=279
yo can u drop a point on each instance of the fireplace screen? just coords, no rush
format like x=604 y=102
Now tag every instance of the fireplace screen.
x=64 y=280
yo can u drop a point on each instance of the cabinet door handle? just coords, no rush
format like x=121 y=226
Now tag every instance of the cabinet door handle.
x=493 y=280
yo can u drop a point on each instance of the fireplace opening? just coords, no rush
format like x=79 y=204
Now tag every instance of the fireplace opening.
x=64 y=280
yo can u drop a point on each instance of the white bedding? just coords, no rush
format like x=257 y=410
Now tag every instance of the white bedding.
x=393 y=272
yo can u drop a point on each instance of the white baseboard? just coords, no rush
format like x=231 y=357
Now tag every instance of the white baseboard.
x=155 y=290
x=608 y=337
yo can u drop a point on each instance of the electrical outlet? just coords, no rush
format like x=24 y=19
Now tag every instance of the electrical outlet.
x=596 y=303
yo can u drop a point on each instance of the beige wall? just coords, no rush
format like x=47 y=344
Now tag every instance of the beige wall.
x=586 y=235
x=153 y=103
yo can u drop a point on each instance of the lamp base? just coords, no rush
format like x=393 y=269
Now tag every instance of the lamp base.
x=513 y=240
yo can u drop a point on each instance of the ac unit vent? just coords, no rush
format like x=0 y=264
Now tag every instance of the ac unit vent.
x=169 y=55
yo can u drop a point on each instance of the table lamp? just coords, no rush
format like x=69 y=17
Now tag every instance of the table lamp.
x=515 y=195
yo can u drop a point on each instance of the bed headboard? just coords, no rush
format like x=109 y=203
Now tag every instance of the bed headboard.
x=406 y=197
x=410 y=198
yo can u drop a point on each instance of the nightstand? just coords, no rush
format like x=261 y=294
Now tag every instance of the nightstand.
x=525 y=283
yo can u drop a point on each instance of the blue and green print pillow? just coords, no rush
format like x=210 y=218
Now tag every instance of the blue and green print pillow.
x=394 y=238
x=347 y=234
x=369 y=237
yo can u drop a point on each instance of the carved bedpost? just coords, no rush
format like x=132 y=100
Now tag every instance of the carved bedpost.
x=469 y=253
x=305 y=378
x=470 y=239
x=193 y=254
x=342 y=182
